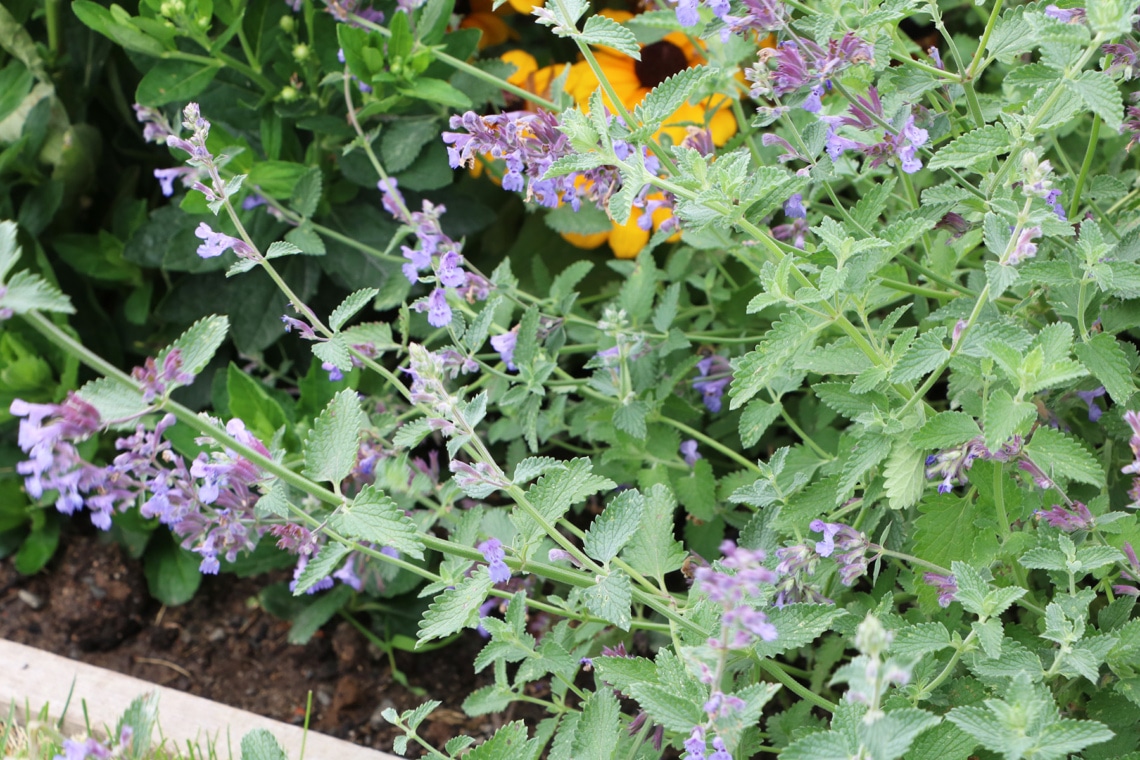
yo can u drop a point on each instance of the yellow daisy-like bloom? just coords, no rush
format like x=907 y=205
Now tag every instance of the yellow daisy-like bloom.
x=479 y=14
x=632 y=80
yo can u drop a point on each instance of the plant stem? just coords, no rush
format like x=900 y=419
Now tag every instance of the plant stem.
x=1090 y=153
x=795 y=686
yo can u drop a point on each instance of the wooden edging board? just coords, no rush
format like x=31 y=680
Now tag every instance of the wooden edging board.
x=35 y=678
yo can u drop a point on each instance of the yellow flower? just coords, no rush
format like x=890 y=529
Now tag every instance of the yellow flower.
x=480 y=15
x=632 y=80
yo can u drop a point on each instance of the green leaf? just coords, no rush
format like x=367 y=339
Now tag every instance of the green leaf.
x=945 y=531
x=1004 y=416
x=308 y=621
x=676 y=712
x=972 y=148
x=15 y=83
x=756 y=419
x=559 y=489
x=9 y=250
x=1105 y=359
x=114 y=401
x=350 y=306
x=945 y=430
x=141 y=716
x=171 y=572
x=1110 y=17
x=402 y=141
x=696 y=490
x=119 y=30
x=39 y=546
x=1064 y=458
x=797 y=625
x=249 y=401
x=26 y=292
x=609 y=598
x=437 y=91
x=924 y=355
x=915 y=641
x=455 y=609
x=605 y=32
x=598 y=729
x=374 y=517
x=199 y=343
x=508 y=743
x=259 y=744
x=904 y=474
x=654 y=550
x=614 y=527
x=306 y=194
x=1100 y=95
x=277 y=179
x=623 y=672
x=630 y=418
x=321 y=566
x=664 y=100
x=588 y=220
x=172 y=81
x=868 y=452
x=332 y=444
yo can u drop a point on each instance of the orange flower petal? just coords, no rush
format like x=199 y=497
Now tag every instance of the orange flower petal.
x=627 y=240
x=586 y=242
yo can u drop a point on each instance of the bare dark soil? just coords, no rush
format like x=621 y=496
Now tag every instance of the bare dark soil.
x=92 y=605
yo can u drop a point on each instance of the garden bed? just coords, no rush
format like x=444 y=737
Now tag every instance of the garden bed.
x=92 y=605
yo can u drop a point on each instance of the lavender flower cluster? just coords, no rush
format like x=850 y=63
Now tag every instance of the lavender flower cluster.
x=759 y=16
x=804 y=69
x=848 y=546
x=434 y=251
x=741 y=623
x=529 y=144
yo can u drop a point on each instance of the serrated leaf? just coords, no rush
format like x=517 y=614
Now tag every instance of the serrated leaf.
x=904 y=475
x=9 y=251
x=945 y=530
x=1110 y=17
x=609 y=598
x=669 y=95
x=630 y=418
x=198 y=343
x=653 y=550
x=332 y=444
x=1101 y=95
x=915 y=641
x=615 y=526
x=1004 y=416
x=1064 y=458
x=796 y=626
x=455 y=609
x=114 y=401
x=1105 y=359
x=26 y=292
x=411 y=434
x=334 y=351
x=259 y=744
x=945 y=430
x=374 y=517
x=605 y=32
x=925 y=355
x=756 y=419
x=320 y=567
x=557 y=490
x=623 y=672
x=868 y=452
x=307 y=192
x=676 y=712
x=598 y=729
x=509 y=743
x=973 y=147
x=350 y=306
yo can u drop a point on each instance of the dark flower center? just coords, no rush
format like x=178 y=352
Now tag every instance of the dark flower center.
x=659 y=61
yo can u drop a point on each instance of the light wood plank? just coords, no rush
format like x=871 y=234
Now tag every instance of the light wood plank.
x=43 y=678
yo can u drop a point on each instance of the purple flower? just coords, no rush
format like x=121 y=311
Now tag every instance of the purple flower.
x=1089 y=397
x=1069 y=520
x=1040 y=479
x=695 y=744
x=155 y=126
x=439 y=313
x=1065 y=15
x=689 y=452
x=492 y=550
x=1053 y=198
x=217 y=243
x=687 y=14
x=741 y=623
x=848 y=546
x=715 y=375
x=796 y=565
x=721 y=752
x=1025 y=247
x=505 y=345
x=794 y=207
x=450 y=270
x=946 y=586
x=166 y=178
x=1132 y=574
x=157 y=383
x=335 y=375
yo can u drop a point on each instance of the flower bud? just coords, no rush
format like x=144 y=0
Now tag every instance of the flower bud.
x=287 y=24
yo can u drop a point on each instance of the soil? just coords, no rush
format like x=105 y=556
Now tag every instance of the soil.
x=92 y=605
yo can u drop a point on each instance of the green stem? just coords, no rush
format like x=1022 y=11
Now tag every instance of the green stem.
x=795 y=686
x=999 y=501
x=1086 y=165
x=946 y=671
x=972 y=70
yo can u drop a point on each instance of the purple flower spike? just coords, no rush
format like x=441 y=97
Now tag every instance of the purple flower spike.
x=1069 y=520
x=1089 y=397
x=716 y=374
x=493 y=552
x=794 y=207
x=847 y=545
x=946 y=586
x=689 y=452
x=505 y=345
